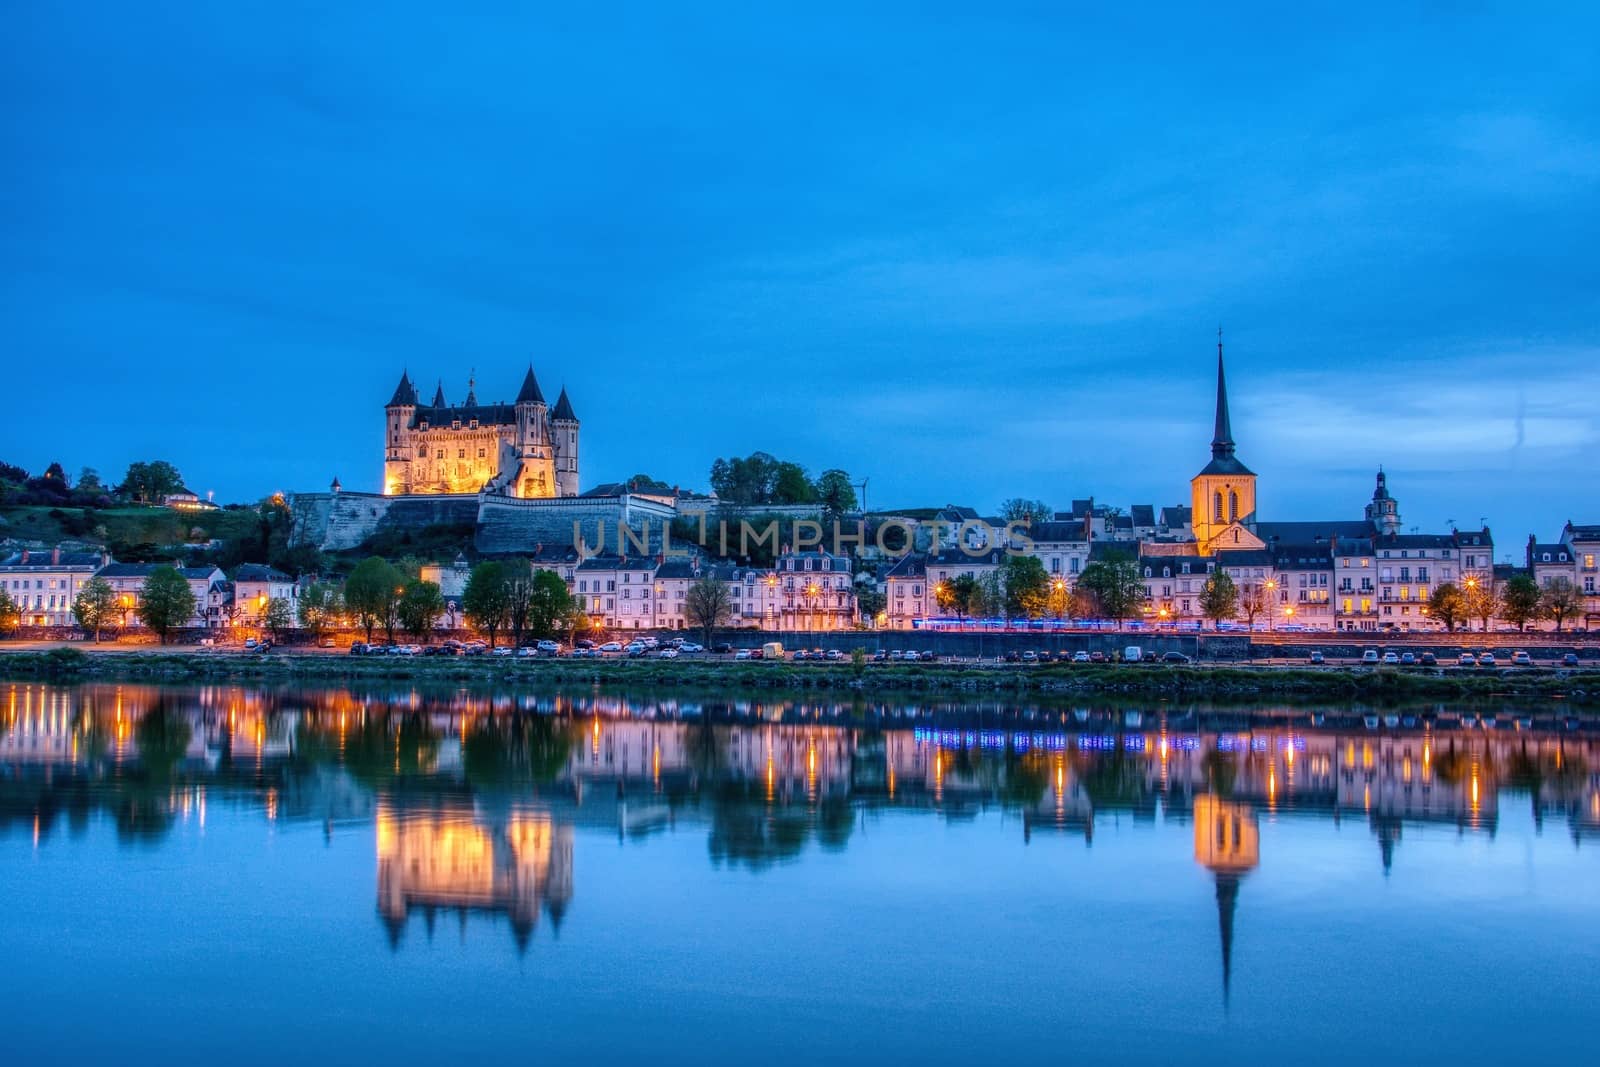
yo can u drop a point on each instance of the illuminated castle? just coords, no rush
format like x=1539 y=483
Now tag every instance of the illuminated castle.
x=521 y=449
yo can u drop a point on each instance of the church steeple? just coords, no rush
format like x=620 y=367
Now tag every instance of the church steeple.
x=1222 y=435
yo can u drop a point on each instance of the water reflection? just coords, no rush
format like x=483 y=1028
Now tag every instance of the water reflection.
x=476 y=798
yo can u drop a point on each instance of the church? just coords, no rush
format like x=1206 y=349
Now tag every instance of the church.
x=522 y=449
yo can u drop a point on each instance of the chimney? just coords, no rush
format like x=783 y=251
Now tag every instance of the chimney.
x=55 y=555
x=24 y=556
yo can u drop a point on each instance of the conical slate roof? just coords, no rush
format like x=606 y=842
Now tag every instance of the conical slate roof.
x=438 y=396
x=563 y=407
x=530 y=393
x=405 y=392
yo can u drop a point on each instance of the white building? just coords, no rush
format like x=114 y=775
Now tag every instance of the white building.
x=44 y=582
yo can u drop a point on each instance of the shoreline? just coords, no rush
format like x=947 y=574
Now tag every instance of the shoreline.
x=1575 y=688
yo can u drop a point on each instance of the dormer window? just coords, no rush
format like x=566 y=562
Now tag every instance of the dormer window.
x=1547 y=557
x=455 y=424
x=423 y=425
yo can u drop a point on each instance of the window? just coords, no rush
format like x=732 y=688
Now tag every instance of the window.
x=461 y=453
x=1233 y=506
x=480 y=453
x=1218 y=502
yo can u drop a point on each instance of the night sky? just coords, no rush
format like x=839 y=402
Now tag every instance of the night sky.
x=968 y=255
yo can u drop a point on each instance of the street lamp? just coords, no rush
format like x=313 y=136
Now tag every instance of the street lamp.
x=1272 y=602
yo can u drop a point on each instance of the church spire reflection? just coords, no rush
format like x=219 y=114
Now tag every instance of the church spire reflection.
x=1227 y=842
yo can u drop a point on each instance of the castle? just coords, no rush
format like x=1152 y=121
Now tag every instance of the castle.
x=517 y=450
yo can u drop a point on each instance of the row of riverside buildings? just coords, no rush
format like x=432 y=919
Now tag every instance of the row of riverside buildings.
x=1342 y=574
x=44 y=584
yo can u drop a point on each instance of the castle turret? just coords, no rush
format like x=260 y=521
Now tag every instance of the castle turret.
x=398 y=416
x=537 y=477
x=564 y=437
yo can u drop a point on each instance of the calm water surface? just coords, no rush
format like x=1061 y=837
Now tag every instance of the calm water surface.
x=210 y=874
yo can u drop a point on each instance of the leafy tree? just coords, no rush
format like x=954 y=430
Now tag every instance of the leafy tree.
x=761 y=478
x=320 y=603
x=958 y=595
x=1219 y=597
x=165 y=602
x=89 y=481
x=149 y=483
x=1482 y=595
x=1519 y=603
x=792 y=485
x=94 y=605
x=420 y=605
x=550 y=604
x=487 y=600
x=1031 y=512
x=707 y=604
x=10 y=613
x=834 y=489
x=372 y=592
x=989 y=598
x=1447 y=604
x=1058 y=601
x=277 y=616
x=1027 y=587
x=1114 y=584
x=870 y=603
x=1561 y=601
x=518 y=574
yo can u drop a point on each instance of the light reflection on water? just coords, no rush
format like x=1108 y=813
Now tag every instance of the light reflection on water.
x=613 y=833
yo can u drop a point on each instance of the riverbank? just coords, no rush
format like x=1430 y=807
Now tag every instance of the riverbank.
x=1575 y=688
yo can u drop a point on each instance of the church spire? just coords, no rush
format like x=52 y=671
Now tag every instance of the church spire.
x=1227 y=901
x=438 y=395
x=1222 y=435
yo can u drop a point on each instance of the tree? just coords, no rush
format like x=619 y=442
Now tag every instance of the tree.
x=10 y=613
x=420 y=605
x=1482 y=595
x=1058 y=601
x=1027 y=587
x=1448 y=605
x=835 y=490
x=1253 y=600
x=959 y=595
x=372 y=593
x=550 y=604
x=487 y=599
x=1561 y=601
x=277 y=616
x=89 y=481
x=707 y=604
x=988 y=596
x=319 y=605
x=1219 y=598
x=94 y=605
x=150 y=483
x=870 y=603
x=518 y=576
x=1519 y=602
x=1031 y=512
x=165 y=602
x=1114 y=584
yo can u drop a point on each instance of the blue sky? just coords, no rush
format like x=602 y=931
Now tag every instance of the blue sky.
x=968 y=255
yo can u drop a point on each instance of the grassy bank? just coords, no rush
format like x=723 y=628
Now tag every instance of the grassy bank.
x=1577 y=687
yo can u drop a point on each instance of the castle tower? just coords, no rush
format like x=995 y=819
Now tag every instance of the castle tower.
x=564 y=436
x=537 y=478
x=1384 y=511
x=1224 y=492
x=398 y=415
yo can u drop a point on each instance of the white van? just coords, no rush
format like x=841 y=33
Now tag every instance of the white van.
x=1132 y=654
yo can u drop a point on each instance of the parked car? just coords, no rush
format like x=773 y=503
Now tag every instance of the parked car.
x=549 y=647
x=800 y=655
x=1030 y=656
x=1391 y=659
x=358 y=648
x=1467 y=659
x=583 y=642
x=1175 y=657
x=1369 y=656
x=743 y=653
x=611 y=647
x=667 y=653
x=1132 y=654
x=1428 y=659
x=1486 y=660
x=1408 y=659
x=1317 y=656
x=833 y=653
x=1521 y=659
x=1013 y=656
x=1080 y=656
x=691 y=646
x=1569 y=660
x=1097 y=657
x=501 y=651
x=722 y=649
x=527 y=651
x=880 y=656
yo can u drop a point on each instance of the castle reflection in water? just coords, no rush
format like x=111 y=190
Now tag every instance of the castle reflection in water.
x=475 y=799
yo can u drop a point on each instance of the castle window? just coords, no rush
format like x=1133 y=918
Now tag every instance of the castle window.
x=438 y=453
x=422 y=452
x=480 y=453
x=473 y=425
x=455 y=424
x=461 y=453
